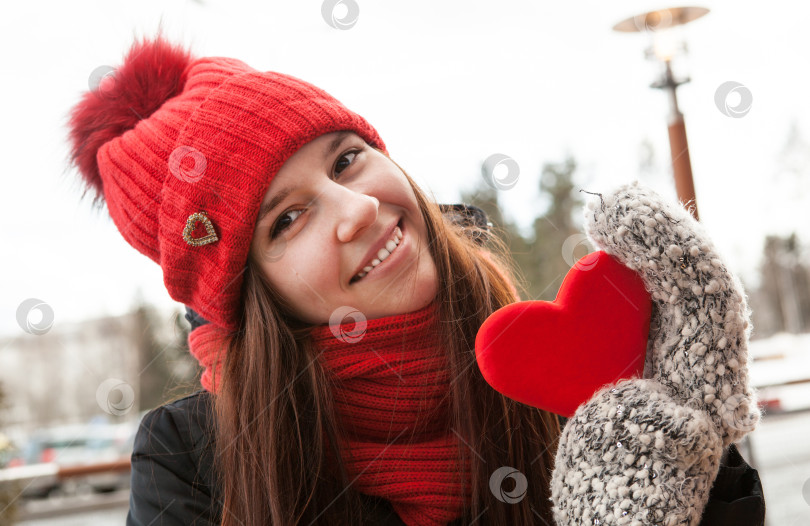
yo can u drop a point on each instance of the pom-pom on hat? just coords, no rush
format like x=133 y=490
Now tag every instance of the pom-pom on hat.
x=182 y=151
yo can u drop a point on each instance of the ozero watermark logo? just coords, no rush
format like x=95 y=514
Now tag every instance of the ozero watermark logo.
x=34 y=316
x=115 y=396
x=276 y=250
x=340 y=14
x=654 y=21
x=724 y=99
x=738 y=414
x=336 y=322
x=102 y=81
x=569 y=247
x=500 y=171
x=496 y=485
x=187 y=164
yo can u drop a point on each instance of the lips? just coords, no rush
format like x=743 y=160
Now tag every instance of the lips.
x=372 y=253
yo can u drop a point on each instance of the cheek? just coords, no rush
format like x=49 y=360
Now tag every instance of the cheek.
x=303 y=272
x=394 y=190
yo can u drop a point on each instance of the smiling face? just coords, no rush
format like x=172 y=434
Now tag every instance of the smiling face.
x=338 y=202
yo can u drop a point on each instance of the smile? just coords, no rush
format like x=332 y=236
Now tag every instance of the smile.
x=383 y=254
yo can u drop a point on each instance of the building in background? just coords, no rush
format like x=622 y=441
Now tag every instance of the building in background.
x=111 y=368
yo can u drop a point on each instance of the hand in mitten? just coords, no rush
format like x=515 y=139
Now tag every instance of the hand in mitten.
x=647 y=451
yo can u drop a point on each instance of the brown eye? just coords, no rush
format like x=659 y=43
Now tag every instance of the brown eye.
x=281 y=225
x=341 y=164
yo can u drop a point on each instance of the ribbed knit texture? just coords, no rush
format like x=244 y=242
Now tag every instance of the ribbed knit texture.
x=391 y=390
x=207 y=343
x=204 y=344
x=246 y=128
x=212 y=134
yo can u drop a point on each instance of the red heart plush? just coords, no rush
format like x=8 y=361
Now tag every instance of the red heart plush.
x=556 y=355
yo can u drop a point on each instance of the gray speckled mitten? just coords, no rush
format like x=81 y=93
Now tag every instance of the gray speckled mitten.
x=647 y=451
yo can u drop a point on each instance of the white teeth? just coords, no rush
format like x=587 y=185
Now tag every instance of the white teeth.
x=383 y=253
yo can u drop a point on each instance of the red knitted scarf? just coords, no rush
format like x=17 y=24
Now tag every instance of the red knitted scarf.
x=391 y=392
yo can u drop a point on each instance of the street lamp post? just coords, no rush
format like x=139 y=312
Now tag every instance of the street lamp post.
x=662 y=25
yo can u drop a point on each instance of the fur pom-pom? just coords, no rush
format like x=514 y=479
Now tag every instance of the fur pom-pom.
x=152 y=73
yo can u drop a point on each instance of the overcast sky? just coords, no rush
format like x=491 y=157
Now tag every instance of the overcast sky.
x=446 y=84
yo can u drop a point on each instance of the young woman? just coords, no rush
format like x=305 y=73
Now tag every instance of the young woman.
x=334 y=308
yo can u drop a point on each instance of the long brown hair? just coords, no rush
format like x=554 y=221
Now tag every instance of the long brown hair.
x=275 y=418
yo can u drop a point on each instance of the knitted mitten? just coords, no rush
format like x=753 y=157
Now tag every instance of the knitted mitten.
x=647 y=451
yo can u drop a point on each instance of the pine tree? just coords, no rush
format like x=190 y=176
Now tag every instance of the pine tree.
x=552 y=228
x=539 y=259
x=782 y=301
x=167 y=370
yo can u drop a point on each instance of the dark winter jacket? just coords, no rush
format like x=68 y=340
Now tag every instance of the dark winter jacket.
x=172 y=481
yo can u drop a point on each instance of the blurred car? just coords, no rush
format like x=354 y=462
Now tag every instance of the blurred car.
x=7 y=450
x=73 y=446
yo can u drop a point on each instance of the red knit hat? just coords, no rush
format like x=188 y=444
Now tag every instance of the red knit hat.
x=183 y=149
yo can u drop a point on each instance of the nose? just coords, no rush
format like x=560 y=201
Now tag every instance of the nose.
x=357 y=211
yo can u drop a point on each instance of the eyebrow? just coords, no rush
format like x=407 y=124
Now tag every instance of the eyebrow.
x=281 y=195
